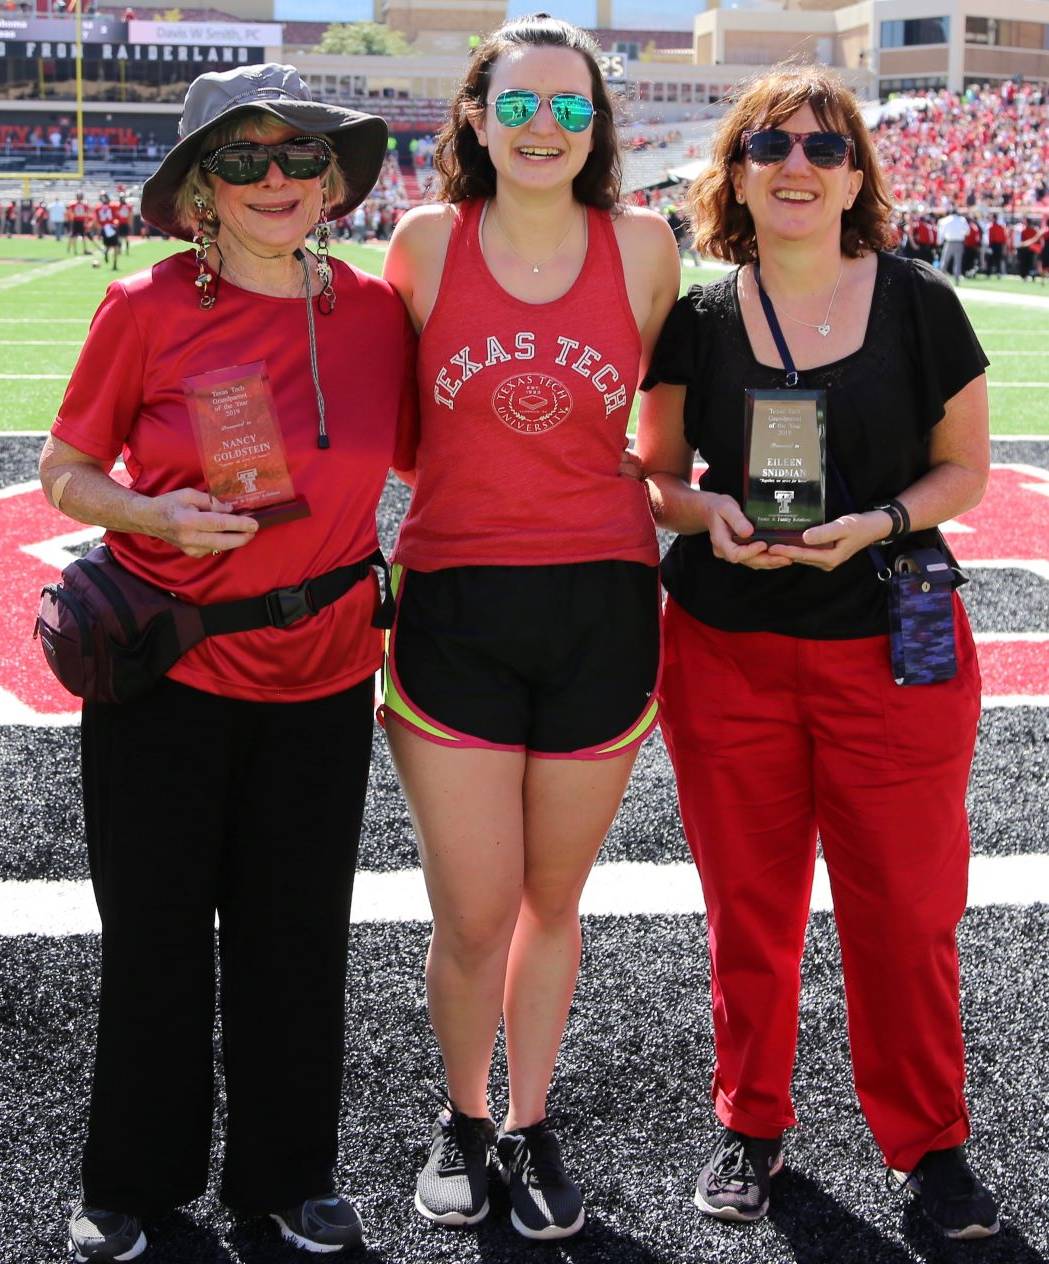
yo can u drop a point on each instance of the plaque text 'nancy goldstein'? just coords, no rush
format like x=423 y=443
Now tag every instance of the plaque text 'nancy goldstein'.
x=240 y=443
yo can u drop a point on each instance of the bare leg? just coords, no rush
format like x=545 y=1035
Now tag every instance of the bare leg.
x=466 y=806
x=568 y=808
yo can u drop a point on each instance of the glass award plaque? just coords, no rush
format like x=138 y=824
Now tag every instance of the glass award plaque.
x=240 y=443
x=785 y=463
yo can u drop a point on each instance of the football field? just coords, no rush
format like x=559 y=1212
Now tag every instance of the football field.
x=47 y=297
x=631 y=1090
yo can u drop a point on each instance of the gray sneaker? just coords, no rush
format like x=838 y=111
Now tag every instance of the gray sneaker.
x=452 y=1188
x=103 y=1236
x=544 y=1203
x=322 y=1225
x=734 y=1184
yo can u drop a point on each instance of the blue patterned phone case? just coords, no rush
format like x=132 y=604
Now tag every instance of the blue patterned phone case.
x=921 y=618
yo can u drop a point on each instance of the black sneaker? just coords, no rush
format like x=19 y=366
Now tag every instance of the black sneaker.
x=321 y=1225
x=734 y=1184
x=950 y=1195
x=104 y=1235
x=452 y=1188
x=544 y=1203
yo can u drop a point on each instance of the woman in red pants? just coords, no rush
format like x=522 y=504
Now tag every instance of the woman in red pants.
x=779 y=705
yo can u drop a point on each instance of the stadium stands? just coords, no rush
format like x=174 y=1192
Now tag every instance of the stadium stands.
x=987 y=149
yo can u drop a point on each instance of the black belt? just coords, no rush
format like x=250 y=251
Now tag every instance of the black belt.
x=285 y=606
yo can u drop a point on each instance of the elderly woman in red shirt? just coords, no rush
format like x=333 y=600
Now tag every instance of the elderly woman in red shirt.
x=236 y=785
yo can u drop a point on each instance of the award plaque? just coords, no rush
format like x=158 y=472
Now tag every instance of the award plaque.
x=785 y=463
x=240 y=443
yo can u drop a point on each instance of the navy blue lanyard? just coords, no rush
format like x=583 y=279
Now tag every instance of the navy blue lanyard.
x=776 y=331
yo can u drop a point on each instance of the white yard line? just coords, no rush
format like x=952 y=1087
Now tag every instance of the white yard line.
x=618 y=890
x=42 y=270
x=14 y=711
x=1032 y=638
x=79 y=342
x=968 y=294
x=34 y=377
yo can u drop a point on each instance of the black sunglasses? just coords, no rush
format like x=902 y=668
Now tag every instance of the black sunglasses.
x=772 y=144
x=247 y=161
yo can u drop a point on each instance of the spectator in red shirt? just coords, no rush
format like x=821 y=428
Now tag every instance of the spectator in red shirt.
x=971 y=251
x=996 y=240
x=1029 y=249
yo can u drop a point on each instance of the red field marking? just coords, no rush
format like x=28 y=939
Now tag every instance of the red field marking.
x=1014 y=668
x=1011 y=524
x=27 y=518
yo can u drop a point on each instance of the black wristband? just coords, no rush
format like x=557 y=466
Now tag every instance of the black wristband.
x=901 y=523
x=905 y=517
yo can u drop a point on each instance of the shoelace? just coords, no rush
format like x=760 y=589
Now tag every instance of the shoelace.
x=460 y=1135
x=453 y=1160
x=732 y=1167
x=536 y=1159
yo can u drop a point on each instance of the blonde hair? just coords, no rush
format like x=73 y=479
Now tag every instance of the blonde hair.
x=197 y=182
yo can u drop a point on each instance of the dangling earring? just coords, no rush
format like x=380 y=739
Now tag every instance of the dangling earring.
x=201 y=243
x=326 y=298
x=740 y=199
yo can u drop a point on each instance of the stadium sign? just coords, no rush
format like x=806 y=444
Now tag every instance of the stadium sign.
x=192 y=54
x=60 y=30
x=613 y=67
x=227 y=34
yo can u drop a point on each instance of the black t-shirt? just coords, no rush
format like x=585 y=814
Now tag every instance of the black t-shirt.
x=882 y=402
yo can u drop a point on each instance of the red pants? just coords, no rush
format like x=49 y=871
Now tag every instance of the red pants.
x=773 y=739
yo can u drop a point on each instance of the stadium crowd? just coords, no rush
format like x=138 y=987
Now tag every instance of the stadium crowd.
x=988 y=148
x=984 y=152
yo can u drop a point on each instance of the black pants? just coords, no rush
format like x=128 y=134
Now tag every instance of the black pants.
x=196 y=804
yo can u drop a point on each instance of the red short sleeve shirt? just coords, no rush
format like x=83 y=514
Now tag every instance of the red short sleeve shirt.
x=126 y=397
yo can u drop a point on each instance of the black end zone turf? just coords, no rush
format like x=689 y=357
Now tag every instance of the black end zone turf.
x=631 y=1090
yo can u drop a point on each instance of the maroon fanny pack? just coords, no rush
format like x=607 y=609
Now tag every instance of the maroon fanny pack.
x=109 y=636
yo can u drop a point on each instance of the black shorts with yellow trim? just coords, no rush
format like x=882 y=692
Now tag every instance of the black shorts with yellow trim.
x=560 y=661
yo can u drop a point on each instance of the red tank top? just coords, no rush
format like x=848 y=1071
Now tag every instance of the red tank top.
x=523 y=415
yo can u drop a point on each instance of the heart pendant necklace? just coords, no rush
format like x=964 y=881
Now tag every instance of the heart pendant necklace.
x=823 y=328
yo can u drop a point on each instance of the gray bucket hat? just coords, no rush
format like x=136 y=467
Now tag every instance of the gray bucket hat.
x=357 y=140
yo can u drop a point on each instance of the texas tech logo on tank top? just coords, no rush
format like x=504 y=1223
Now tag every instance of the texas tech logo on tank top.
x=532 y=402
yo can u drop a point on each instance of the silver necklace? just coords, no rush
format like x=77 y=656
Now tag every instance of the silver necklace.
x=535 y=266
x=824 y=327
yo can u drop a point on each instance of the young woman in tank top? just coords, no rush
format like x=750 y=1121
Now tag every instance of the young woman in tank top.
x=525 y=656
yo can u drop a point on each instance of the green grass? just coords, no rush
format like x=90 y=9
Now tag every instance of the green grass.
x=54 y=306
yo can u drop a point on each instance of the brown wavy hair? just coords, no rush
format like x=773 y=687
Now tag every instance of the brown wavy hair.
x=462 y=163
x=724 y=228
